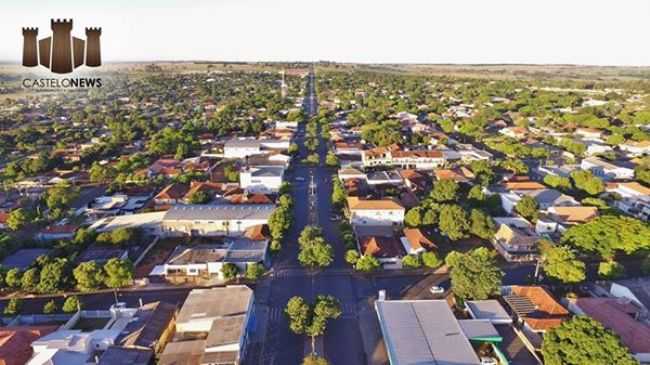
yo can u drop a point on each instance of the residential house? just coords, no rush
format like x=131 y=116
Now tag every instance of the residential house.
x=415 y=242
x=172 y=194
x=213 y=327
x=515 y=132
x=515 y=239
x=596 y=148
x=535 y=309
x=623 y=317
x=57 y=232
x=244 y=147
x=211 y=189
x=559 y=219
x=214 y=220
x=607 y=170
x=384 y=178
x=16 y=342
x=381 y=243
x=635 y=149
x=203 y=262
x=350 y=173
x=468 y=153
x=589 y=133
x=165 y=167
x=375 y=212
x=394 y=156
x=545 y=198
x=459 y=175
x=273 y=159
x=265 y=180
x=414 y=180
x=634 y=198
x=348 y=148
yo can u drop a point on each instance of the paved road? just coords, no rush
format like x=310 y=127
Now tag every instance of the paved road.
x=273 y=343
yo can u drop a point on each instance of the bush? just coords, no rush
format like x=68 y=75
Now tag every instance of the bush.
x=431 y=260
x=50 y=307
x=71 y=304
x=13 y=307
x=367 y=263
x=351 y=257
x=254 y=271
x=229 y=271
x=411 y=262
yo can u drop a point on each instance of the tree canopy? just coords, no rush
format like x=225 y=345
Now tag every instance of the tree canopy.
x=608 y=234
x=474 y=275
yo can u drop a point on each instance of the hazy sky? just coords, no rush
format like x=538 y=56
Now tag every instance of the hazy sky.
x=601 y=32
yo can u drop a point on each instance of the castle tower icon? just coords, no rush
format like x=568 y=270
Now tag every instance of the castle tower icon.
x=30 y=54
x=61 y=52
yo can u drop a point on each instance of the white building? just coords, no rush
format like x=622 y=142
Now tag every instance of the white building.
x=636 y=148
x=244 y=147
x=606 y=170
x=263 y=180
x=375 y=212
x=214 y=220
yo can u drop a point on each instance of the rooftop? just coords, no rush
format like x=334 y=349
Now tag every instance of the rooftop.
x=219 y=212
x=215 y=303
x=423 y=332
x=116 y=355
x=354 y=203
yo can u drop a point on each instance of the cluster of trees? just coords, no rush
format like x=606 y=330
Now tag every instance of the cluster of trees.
x=314 y=252
x=116 y=273
x=280 y=221
x=474 y=275
x=456 y=221
x=428 y=259
x=582 y=340
x=253 y=271
x=311 y=320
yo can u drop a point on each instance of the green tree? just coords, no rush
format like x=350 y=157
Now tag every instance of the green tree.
x=481 y=224
x=528 y=208
x=13 y=307
x=444 y=191
x=317 y=255
x=453 y=222
x=299 y=314
x=515 y=165
x=557 y=182
x=608 y=234
x=89 y=276
x=431 y=260
x=124 y=236
x=30 y=279
x=413 y=218
x=476 y=196
x=474 y=275
x=50 y=307
x=582 y=340
x=293 y=149
x=254 y=271
x=610 y=270
x=71 y=304
x=430 y=218
x=119 y=273
x=367 y=263
x=53 y=276
x=17 y=219
x=331 y=160
x=13 y=278
x=351 y=256
x=412 y=262
x=587 y=182
x=198 y=197
x=339 y=195
x=560 y=263
x=229 y=271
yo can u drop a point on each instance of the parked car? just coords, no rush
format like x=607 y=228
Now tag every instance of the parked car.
x=300 y=178
x=489 y=361
x=437 y=290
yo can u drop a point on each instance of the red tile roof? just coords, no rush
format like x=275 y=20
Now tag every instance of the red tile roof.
x=548 y=313
x=381 y=247
x=15 y=342
x=173 y=191
x=617 y=315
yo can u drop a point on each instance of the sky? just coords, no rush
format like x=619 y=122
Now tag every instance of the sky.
x=588 y=32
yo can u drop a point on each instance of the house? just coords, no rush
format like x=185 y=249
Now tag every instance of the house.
x=148 y=223
x=375 y=212
x=589 y=133
x=16 y=342
x=214 y=220
x=348 y=148
x=213 y=327
x=515 y=239
x=545 y=198
x=172 y=194
x=384 y=178
x=414 y=180
x=514 y=132
x=350 y=173
x=635 y=149
x=273 y=159
x=634 y=198
x=241 y=148
x=265 y=180
x=534 y=307
x=623 y=317
x=381 y=243
x=468 y=153
x=57 y=232
x=607 y=170
x=427 y=332
x=211 y=189
x=559 y=219
x=394 y=156
x=24 y=258
x=165 y=167
x=596 y=148
x=117 y=355
x=203 y=262
x=415 y=242
x=3 y=220
x=459 y=175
